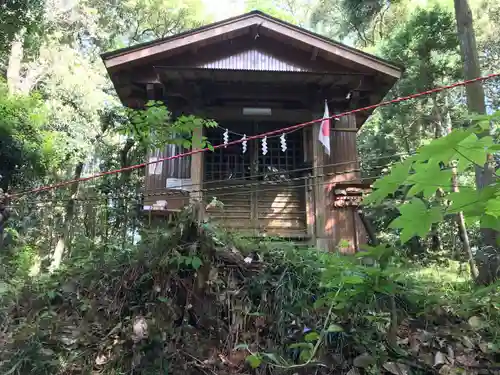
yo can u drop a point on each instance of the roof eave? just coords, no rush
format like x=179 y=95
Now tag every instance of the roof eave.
x=244 y=21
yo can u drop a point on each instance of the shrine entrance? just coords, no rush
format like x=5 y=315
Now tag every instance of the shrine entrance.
x=260 y=193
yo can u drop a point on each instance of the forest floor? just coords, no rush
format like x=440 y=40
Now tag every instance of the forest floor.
x=191 y=300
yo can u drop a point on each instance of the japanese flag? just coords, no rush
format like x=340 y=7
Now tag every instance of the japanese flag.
x=324 y=130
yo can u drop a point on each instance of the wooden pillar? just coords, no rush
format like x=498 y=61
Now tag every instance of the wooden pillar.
x=344 y=152
x=154 y=181
x=341 y=165
x=308 y=185
x=197 y=167
x=319 y=157
x=342 y=226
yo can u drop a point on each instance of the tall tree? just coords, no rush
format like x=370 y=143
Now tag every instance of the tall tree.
x=475 y=97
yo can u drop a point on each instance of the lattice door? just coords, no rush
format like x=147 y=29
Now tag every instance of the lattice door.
x=279 y=202
x=227 y=171
x=276 y=164
x=225 y=163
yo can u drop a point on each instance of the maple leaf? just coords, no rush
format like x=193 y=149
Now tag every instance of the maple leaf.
x=416 y=219
x=470 y=201
x=443 y=149
x=428 y=177
x=491 y=222
x=389 y=184
x=472 y=150
x=493 y=207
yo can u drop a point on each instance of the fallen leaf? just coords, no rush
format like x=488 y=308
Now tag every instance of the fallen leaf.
x=451 y=354
x=445 y=370
x=484 y=346
x=476 y=322
x=140 y=329
x=101 y=359
x=467 y=342
x=427 y=358
x=353 y=371
x=404 y=341
x=439 y=359
x=396 y=368
x=466 y=359
x=363 y=361
x=47 y=352
x=414 y=344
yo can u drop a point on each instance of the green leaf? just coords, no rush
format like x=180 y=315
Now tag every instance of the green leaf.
x=493 y=207
x=241 y=346
x=253 y=360
x=341 y=306
x=470 y=201
x=428 y=177
x=271 y=357
x=353 y=280
x=490 y=222
x=311 y=336
x=389 y=184
x=210 y=147
x=462 y=200
x=196 y=263
x=335 y=328
x=305 y=355
x=481 y=125
x=416 y=219
x=443 y=149
x=472 y=150
x=163 y=299
x=4 y=287
x=301 y=345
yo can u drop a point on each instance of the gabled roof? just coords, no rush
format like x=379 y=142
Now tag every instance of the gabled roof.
x=236 y=26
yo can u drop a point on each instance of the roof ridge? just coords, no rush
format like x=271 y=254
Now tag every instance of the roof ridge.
x=253 y=13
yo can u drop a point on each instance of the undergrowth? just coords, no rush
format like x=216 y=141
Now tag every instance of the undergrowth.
x=190 y=299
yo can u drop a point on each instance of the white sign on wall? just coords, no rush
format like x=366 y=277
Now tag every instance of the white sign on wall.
x=179 y=183
x=154 y=168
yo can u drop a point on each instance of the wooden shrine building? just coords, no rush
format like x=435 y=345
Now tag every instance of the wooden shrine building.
x=253 y=74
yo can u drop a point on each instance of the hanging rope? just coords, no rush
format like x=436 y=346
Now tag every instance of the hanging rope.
x=259 y=136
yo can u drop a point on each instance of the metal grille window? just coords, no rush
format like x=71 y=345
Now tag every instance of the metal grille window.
x=225 y=163
x=276 y=164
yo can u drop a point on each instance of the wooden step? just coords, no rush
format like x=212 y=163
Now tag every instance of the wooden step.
x=283 y=216
x=279 y=204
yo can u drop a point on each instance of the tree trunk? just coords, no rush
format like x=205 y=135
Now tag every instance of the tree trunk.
x=64 y=235
x=4 y=214
x=436 y=243
x=124 y=180
x=15 y=60
x=475 y=96
x=463 y=232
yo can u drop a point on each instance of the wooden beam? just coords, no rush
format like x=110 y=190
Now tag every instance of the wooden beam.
x=314 y=54
x=213 y=92
x=176 y=42
x=235 y=113
x=332 y=48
